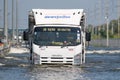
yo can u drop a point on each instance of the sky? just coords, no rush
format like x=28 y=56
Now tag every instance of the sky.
x=26 y=5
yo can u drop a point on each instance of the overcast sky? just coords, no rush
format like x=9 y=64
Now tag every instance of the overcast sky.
x=26 y=5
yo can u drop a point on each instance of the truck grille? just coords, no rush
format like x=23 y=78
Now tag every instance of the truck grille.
x=57 y=60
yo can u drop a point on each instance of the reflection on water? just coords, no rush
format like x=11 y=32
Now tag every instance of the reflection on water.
x=57 y=73
x=97 y=67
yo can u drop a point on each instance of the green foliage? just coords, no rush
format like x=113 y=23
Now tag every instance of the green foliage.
x=100 y=31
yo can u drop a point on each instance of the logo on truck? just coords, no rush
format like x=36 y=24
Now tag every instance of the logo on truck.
x=57 y=17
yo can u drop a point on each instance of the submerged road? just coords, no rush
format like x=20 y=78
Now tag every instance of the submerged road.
x=15 y=66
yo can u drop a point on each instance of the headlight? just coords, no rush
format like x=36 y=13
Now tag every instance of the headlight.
x=36 y=56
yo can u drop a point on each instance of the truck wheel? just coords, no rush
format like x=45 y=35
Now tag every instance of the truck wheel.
x=30 y=54
x=31 y=57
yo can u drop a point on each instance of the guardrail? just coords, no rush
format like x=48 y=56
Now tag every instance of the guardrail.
x=103 y=43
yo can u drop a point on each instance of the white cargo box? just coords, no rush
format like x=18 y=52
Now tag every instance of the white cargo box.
x=58 y=16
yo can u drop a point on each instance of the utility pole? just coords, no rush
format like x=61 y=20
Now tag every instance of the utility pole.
x=5 y=23
x=17 y=21
x=107 y=20
x=95 y=17
x=99 y=16
x=0 y=17
x=12 y=20
x=112 y=30
x=118 y=17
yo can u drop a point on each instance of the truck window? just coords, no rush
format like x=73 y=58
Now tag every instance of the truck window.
x=57 y=36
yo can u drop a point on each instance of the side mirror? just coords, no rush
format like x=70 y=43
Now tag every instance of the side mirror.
x=88 y=36
x=25 y=35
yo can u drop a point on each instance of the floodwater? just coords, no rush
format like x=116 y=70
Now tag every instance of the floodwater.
x=97 y=67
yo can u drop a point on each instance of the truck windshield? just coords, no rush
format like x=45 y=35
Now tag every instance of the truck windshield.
x=57 y=36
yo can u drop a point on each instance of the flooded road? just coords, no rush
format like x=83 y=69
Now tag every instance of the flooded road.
x=15 y=66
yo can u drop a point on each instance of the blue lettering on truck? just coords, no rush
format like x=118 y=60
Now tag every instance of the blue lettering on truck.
x=56 y=17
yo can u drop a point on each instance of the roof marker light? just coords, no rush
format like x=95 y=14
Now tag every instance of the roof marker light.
x=40 y=13
x=74 y=13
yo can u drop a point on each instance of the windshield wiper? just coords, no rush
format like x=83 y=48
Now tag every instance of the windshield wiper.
x=64 y=46
x=40 y=46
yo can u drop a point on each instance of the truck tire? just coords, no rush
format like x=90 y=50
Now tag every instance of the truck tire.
x=31 y=57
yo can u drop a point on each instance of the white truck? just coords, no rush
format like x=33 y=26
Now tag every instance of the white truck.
x=56 y=36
